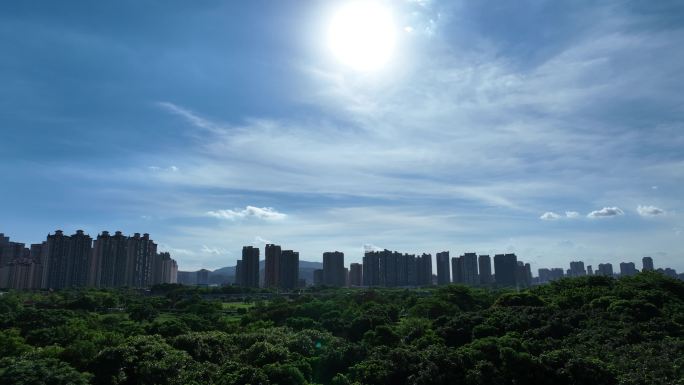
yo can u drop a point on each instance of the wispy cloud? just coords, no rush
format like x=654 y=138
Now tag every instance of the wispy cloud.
x=191 y=117
x=213 y=250
x=157 y=168
x=266 y=213
x=175 y=251
x=606 y=212
x=650 y=211
x=550 y=216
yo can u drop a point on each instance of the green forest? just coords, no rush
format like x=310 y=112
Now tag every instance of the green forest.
x=589 y=330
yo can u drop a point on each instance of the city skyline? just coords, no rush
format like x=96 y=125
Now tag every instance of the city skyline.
x=549 y=130
x=277 y=249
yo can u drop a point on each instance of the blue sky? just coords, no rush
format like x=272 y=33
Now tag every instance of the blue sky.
x=550 y=129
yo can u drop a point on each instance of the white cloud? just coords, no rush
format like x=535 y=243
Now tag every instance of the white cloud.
x=266 y=213
x=370 y=247
x=213 y=250
x=190 y=116
x=549 y=216
x=157 y=168
x=260 y=241
x=606 y=212
x=174 y=251
x=650 y=211
x=552 y=216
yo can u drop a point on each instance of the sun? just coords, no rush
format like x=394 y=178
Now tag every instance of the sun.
x=362 y=35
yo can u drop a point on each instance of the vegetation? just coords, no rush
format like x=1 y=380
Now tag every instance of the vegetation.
x=592 y=330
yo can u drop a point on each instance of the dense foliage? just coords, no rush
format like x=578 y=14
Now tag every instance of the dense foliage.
x=592 y=330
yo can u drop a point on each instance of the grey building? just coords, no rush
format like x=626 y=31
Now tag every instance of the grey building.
x=288 y=277
x=647 y=264
x=355 y=274
x=505 y=267
x=485 y=266
x=371 y=269
x=333 y=269
x=577 y=269
x=249 y=268
x=272 y=265
x=470 y=276
x=605 y=269
x=442 y=260
x=627 y=269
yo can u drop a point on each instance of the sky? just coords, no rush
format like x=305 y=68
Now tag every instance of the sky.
x=552 y=129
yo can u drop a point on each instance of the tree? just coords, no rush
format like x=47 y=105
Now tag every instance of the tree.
x=36 y=370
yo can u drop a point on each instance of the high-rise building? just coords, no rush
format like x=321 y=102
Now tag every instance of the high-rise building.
x=627 y=269
x=355 y=274
x=505 y=267
x=318 y=277
x=544 y=275
x=577 y=269
x=387 y=267
x=13 y=255
x=202 y=277
x=457 y=270
x=523 y=274
x=333 y=269
x=647 y=263
x=164 y=270
x=371 y=269
x=68 y=260
x=187 y=277
x=605 y=269
x=556 y=273
x=485 y=265
x=424 y=270
x=442 y=260
x=590 y=270
x=110 y=261
x=411 y=270
x=140 y=255
x=288 y=277
x=668 y=272
x=272 y=265
x=238 y=272
x=404 y=270
x=469 y=263
x=249 y=268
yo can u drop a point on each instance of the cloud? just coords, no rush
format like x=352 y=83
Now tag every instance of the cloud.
x=265 y=213
x=260 y=241
x=549 y=216
x=174 y=251
x=157 y=168
x=552 y=216
x=190 y=116
x=606 y=212
x=650 y=211
x=213 y=250
x=370 y=247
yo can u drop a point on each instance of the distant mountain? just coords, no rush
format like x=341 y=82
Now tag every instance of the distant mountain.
x=227 y=274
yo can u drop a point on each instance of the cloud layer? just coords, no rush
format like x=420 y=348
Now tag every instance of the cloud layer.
x=650 y=211
x=265 y=213
x=606 y=212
